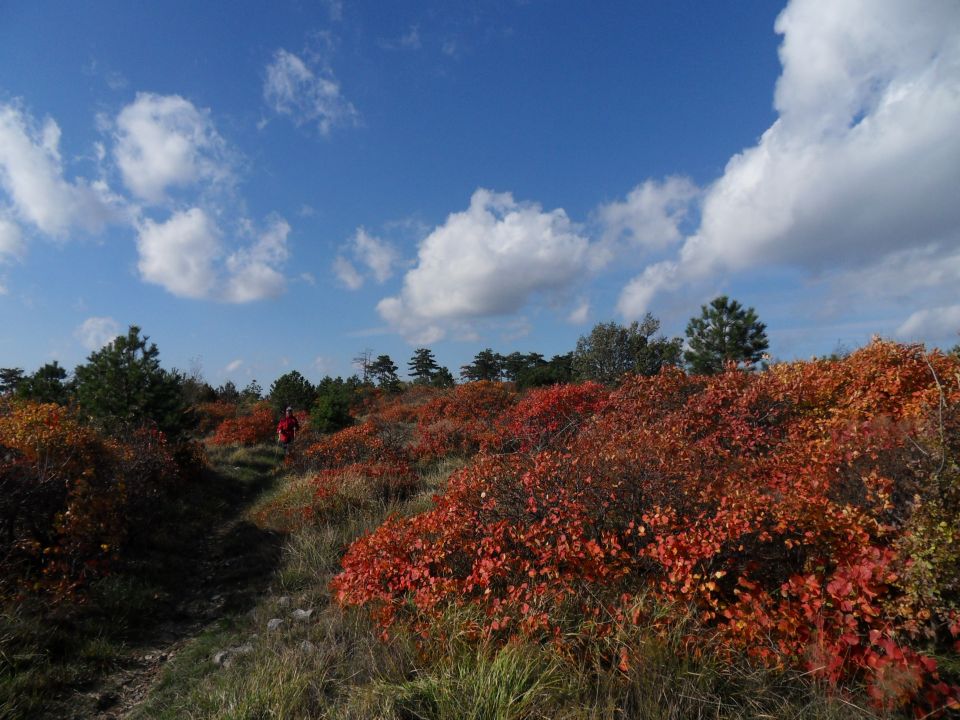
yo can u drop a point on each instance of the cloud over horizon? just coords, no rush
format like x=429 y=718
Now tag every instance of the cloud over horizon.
x=862 y=163
x=186 y=256
x=95 y=332
x=488 y=260
x=379 y=256
x=163 y=142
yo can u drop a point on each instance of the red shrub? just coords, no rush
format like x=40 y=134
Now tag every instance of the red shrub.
x=370 y=450
x=257 y=426
x=548 y=416
x=211 y=415
x=462 y=420
x=775 y=505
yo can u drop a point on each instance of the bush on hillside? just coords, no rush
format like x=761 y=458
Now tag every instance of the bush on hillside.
x=71 y=498
x=805 y=515
x=462 y=420
x=256 y=426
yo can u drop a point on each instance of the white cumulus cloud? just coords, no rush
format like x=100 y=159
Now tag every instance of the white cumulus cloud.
x=164 y=141
x=580 y=314
x=32 y=176
x=346 y=273
x=180 y=254
x=862 y=162
x=306 y=95
x=233 y=366
x=186 y=255
x=253 y=271
x=650 y=215
x=488 y=260
x=12 y=245
x=95 y=332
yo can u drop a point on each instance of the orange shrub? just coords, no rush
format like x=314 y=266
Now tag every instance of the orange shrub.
x=256 y=426
x=70 y=498
x=370 y=451
x=780 y=507
x=210 y=415
x=546 y=416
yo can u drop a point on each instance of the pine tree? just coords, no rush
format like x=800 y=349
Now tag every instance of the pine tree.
x=611 y=350
x=443 y=378
x=46 y=385
x=486 y=365
x=292 y=390
x=10 y=379
x=384 y=371
x=725 y=332
x=123 y=385
x=422 y=366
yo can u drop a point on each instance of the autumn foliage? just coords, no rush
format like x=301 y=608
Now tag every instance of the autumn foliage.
x=806 y=516
x=462 y=420
x=71 y=498
x=256 y=426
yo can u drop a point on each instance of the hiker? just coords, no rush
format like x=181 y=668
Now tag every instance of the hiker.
x=287 y=430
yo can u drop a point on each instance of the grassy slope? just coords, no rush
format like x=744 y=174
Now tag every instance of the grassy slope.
x=334 y=665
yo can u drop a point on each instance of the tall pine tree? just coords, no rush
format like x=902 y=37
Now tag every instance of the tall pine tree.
x=725 y=332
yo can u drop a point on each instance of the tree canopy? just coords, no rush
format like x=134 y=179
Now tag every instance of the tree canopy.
x=292 y=390
x=48 y=385
x=384 y=371
x=486 y=365
x=612 y=350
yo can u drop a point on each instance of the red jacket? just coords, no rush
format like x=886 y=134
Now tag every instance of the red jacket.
x=287 y=429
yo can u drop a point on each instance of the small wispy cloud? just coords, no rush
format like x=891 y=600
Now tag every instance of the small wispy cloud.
x=95 y=332
x=378 y=256
x=306 y=94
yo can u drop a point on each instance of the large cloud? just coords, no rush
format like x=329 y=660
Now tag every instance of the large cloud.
x=649 y=217
x=488 y=260
x=252 y=271
x=939 y=322
x=11 y=239
x=32 y=176
x=293 y=88
x=164 y=141
x=862 y=162
x=185 y=255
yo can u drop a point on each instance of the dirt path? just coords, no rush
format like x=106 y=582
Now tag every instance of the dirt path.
x=236 y=568
x=206 y=577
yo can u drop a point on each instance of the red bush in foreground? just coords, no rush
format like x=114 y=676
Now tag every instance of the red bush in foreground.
x=806 y=515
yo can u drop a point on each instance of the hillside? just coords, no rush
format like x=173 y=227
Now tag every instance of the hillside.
x=750 y=544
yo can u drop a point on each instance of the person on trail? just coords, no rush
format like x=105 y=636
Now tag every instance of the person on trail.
x=287 y=430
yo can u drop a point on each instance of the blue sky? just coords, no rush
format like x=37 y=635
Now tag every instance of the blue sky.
x=265 y=188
